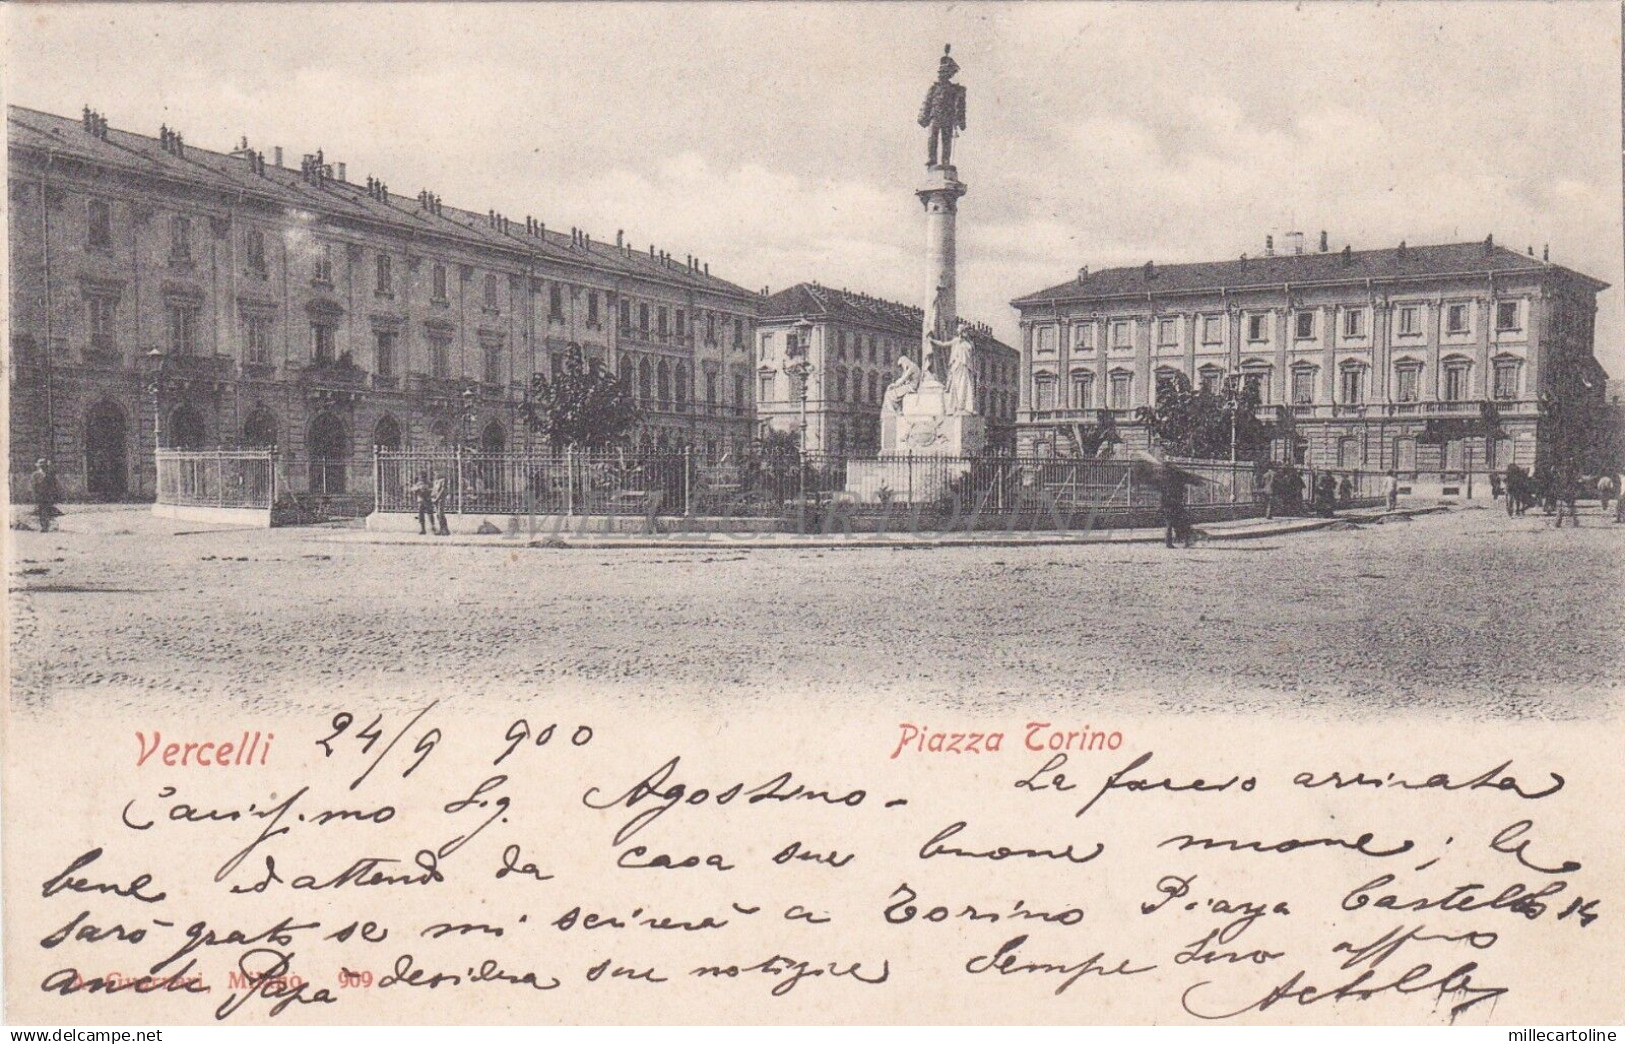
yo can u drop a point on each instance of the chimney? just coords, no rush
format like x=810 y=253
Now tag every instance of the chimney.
x=1531 y=250
x=620 y=238
x=342 y=177
x=1348 y=254
x=1324 y=246
x=708 y=268
x=1269 y=246
x=1489 y=244
x=1402 y=249
x=1150 y=271
x=1546 y=252
x=276 y=156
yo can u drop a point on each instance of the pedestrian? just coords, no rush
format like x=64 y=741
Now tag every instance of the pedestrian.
x=1514 y=488
x=423 y=492
x=1565 y=489
x=1605 y=491
x=1619 y=501
x=1269 y=492
x=47 y=494
x=437 y=493
x=1175 y=522
x=1345 y=491
x=1390 y=488
x=1495 y=485
x=1326 y=494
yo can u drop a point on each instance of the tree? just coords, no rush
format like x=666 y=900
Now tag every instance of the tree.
x=584 y=405
x=1194 y=422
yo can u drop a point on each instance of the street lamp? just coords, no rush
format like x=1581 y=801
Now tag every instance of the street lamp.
x=468 y=417
x=155 y=385
x=800 y=370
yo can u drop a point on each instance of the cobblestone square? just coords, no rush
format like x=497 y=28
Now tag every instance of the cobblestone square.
x=1466 y=612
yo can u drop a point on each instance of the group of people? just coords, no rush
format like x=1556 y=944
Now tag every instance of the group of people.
x=1286 y=490
x=430 y=494
x=1556 y=489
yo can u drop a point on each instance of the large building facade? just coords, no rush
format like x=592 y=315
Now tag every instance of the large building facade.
x=165 y=293
x=851 y=342
x=1438 y=361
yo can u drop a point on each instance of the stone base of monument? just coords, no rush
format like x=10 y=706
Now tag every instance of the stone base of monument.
x=923 y=450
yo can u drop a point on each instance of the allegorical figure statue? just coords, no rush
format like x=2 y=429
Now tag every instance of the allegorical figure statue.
x=906 y=382
x=943 y=112
x=961 y=391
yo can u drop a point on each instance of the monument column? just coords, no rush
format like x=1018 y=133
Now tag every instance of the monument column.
x=940 y=196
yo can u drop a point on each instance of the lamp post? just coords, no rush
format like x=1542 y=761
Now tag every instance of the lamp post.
x=155 y=386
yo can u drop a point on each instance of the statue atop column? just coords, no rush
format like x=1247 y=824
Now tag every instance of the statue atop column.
x=943 y=112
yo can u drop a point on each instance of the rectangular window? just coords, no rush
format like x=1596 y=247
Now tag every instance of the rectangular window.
x=739 y=333
x=1506 y=315
x=643 y=320
x=99 y=234
x=626 y=317
x=323 y=272
x=555 y=303
x=1506 y=381
x=711 y=388
x=592 y=309
x=1122 y=336
x=739 y=389
x=1258 y=383
x=322 y=350
x=1083 y=337
x=383 y=354
x=1455 y=319
x=1166 y=332
x=1083 y=391
x=255 y=248
x=765 y=394
x=1303 y=387
x=660 y=322
x=490 y=291
x=1354 y=323
x=1455 y=383
x=439 y=283
x=1407 y=384
x=1211 y=381
x=493 y=363
x=1305 y=325
x=103 y=312
x=386 y=275
x=440 y=357
x=257 y=333
x=710 y=328
x=1352 y=385
x=1044 y=393
x=1212 y=330
x=1122 y=390
x=1410 y=321
x=180 y=239
x=183 y=322
x=679 y=326
x=1255 y=327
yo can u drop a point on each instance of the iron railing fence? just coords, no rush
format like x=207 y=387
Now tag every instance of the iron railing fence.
x=219 y=478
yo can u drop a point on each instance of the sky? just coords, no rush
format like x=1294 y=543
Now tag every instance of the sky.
x=778 y=142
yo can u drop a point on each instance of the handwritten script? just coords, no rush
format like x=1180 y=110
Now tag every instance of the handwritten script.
x=543 y=864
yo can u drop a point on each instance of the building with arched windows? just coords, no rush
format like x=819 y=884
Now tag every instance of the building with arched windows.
x=1437 y=361
x=853 y=343
x=204 y=299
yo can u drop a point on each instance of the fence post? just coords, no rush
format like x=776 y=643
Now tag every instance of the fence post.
x=377 y=477
x=458 y=476
x=688 y=506
x=569 y=481
x=910 y=467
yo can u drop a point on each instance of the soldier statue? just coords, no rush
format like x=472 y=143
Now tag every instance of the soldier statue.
x=943 y=112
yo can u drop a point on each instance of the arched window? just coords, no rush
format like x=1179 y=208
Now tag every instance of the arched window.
x=682 y=386
x=106 y=457
x=329 y=454
x=259 y=430
x=185 y=429
x=645 y=374
x=493 y=439
x=663 y=382
x=628 y=380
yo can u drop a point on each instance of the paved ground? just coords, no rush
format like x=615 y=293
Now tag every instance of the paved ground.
x=1465 y=612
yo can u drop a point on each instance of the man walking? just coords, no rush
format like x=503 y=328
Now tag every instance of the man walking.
x=1176 y=523
x=47 y=494
x=437 y=494
x=1565 y=489
x=1269 y=492
x=1390 y=487
x=423 y=492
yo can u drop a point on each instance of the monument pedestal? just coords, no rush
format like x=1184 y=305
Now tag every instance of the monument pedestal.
x=925 y=427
